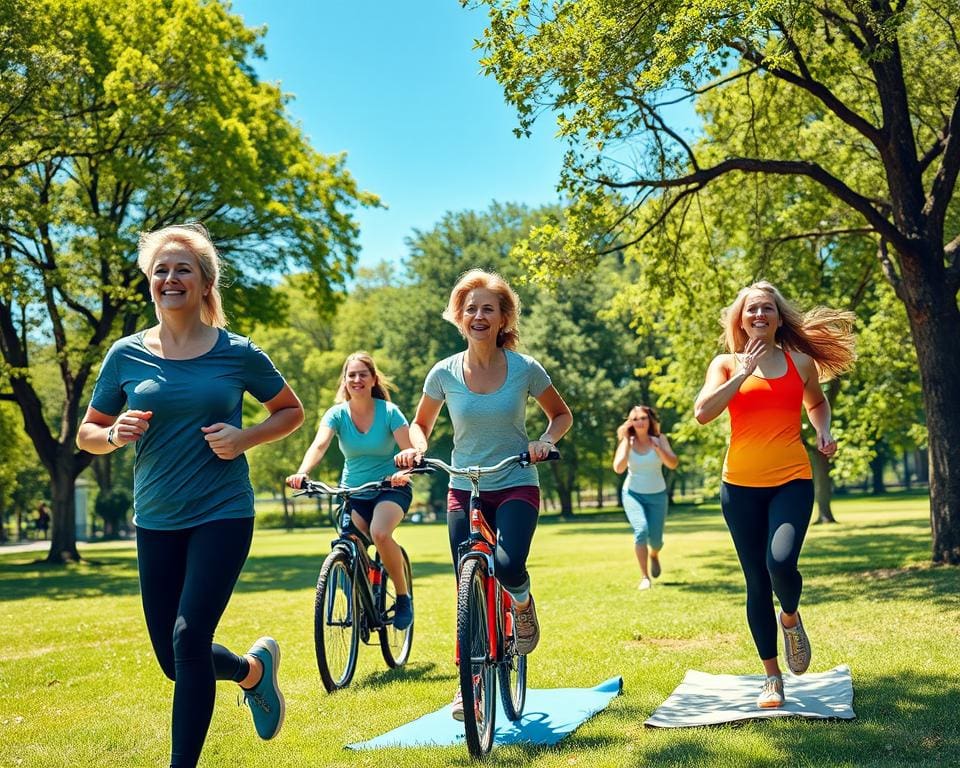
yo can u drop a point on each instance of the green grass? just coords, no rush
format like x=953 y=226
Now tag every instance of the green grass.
x=79 y=685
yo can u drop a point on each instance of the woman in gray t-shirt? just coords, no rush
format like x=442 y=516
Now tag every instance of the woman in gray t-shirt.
x=182 y=382
x=486 y=388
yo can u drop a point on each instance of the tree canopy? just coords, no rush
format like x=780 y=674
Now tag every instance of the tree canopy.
x=858 y=100
x=120 y=116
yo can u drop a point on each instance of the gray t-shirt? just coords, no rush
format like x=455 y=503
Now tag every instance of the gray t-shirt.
x=488 y=428
x=178 y=481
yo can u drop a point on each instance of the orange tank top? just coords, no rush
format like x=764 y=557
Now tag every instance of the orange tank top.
x=765 y=446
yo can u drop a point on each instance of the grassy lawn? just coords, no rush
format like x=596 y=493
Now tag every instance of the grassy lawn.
x=79 y=685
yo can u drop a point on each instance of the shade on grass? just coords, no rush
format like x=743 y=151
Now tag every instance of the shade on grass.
x=79 y=685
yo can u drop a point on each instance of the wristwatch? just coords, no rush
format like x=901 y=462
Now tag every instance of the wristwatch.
x=110 y=437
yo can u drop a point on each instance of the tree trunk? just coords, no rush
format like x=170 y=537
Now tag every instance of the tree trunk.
x=931 y=305
x=287 y=517
x=906 y=470
x=564 y=478
x=877 y=465
x=63 y=530
x=822 y=486
x=820 y=465
x=921 y=464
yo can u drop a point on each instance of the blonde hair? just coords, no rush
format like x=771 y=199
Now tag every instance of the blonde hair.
x=195 y=237
x=381 y=384
x=509 y=335
x=624 y=430
x=823 y=333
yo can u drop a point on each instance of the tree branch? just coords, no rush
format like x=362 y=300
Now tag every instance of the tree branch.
x=945 y=180
x=817 y=89
x=889 y=270
x=810 y=170
x=659 y=220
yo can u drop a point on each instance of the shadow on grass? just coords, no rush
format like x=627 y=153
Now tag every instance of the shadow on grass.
x=114 y=573
x=905 y=719
x=410 y=672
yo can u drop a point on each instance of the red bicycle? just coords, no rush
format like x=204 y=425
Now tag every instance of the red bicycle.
x=486 y=624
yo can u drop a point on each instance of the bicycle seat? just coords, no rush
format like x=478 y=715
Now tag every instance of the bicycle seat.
x=352 y=530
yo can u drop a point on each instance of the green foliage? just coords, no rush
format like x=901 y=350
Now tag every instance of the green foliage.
x=121 y=116
x=773 y=81
x=112 y=507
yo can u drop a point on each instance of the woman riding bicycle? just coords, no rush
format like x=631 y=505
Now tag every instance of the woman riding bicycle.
x=485 y=388
x=368 y=428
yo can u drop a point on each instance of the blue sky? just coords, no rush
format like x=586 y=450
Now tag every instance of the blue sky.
x=397 y=86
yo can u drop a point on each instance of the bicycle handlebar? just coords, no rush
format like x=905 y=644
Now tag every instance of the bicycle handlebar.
x=523 y=459
x=315 y=487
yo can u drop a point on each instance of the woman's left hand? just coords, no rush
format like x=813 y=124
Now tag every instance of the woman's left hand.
x=539 y=449
x=399 y=478
x=826 y=444
x=225 y=440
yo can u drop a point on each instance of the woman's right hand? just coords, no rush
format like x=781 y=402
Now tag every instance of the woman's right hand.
x=408 y=458
x=295 y=481
x=130 y=426
x=750 y=356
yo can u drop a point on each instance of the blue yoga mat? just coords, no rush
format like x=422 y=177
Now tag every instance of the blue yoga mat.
x=548 y=716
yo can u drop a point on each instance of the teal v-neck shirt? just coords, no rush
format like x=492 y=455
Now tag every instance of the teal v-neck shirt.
x=178 y=481
x=368 y=456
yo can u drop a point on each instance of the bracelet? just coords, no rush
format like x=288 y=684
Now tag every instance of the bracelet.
x=110 y=437
x=544 y=439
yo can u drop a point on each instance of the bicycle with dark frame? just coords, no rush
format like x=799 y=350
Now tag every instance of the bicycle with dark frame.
x=486 y=622
x=354 y=596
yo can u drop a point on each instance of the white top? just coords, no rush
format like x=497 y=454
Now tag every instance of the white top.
x=645 y=472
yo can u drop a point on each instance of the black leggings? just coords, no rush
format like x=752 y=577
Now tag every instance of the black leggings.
x=768 y=526
x=514 y=522
x=186 y=579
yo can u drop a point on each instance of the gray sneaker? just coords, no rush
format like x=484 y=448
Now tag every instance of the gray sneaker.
x=796 y=646
x=528 y=628
x=771 y=696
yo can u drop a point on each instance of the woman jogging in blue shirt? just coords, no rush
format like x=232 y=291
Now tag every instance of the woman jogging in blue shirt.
x=183 y=382
x=369 y=428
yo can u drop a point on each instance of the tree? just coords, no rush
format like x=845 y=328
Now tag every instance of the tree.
x=119 y=116
x=592 y=357
x=876 y=80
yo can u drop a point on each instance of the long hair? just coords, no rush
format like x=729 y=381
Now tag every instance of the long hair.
x=823 y=333
x=509 y=335
x=654 y=429
x=193 y=236
x=381 y=384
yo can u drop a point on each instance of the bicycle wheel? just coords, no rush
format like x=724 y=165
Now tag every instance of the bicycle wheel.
x=513 y=673
x=478 y=680
x=336 y=622
x=395 y=643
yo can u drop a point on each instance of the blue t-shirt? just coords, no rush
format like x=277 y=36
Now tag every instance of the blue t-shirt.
x=368 y=456
x=178 y=481
x=489 y=427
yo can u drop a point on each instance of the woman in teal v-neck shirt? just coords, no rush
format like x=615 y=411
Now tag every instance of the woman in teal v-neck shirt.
x=369 y=428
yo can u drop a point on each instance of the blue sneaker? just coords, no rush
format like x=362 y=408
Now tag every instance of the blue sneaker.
x=403 y=612
x=264 y=699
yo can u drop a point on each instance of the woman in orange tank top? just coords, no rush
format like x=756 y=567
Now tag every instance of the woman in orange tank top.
x=775 y=361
